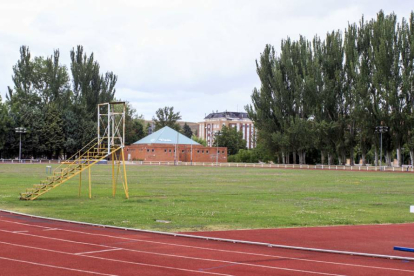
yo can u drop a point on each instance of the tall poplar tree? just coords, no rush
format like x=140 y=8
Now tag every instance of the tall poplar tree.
x=336 y=91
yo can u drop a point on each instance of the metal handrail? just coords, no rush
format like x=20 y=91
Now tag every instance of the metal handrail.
x=73 y=165
x=79 y=153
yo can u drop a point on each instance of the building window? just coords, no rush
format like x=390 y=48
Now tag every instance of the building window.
x=206 y=151
x=147 y=150
x=202 y=151
x=170 y=150
x=218 y=151
x=165 y=150
x=222 y=151
x=198 y=151
x=183 y=151
x=153 y=150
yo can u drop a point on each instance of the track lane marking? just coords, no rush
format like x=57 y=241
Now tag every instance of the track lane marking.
x=99 y=251
x=114 y=260
x=219 y=250
x=176 y=256
x=58 y=267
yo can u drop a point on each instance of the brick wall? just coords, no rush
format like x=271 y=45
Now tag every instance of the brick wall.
x=161 y=152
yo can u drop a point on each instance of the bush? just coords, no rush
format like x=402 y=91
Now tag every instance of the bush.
x=245 y=156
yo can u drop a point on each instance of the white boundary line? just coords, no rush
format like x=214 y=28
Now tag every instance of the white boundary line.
x=349 y=253
x=53 y=266
x=206 y=248
x=166 y=255
x=114 y=260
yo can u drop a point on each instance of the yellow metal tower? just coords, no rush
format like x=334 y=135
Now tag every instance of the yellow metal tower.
x=108 y=145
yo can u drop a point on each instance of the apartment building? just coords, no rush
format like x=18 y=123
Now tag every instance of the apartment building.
x=214 y=122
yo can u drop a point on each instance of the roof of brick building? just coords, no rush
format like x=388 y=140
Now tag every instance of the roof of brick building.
x=166 y=135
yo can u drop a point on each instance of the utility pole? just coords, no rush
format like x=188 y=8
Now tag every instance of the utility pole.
x=381 y=130
x=175 y=153
x=218 y=152
x=20 y=130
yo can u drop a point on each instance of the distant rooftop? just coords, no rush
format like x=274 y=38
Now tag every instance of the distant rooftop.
x=228 y=115
x=166 y=135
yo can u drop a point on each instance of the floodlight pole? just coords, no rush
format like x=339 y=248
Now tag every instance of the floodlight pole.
x=381 y=130
x=381 y=152
x=20 y=148
x=20 y=130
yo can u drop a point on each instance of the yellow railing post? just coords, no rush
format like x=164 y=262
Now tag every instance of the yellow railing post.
x=113 y=174
x=80 y=181
x=118 y=168
x=125 y=175
x=90 y=187
x=89 y=173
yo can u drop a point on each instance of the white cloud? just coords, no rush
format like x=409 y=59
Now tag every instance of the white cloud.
x=197 y=56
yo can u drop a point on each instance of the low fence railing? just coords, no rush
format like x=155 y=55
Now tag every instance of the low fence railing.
x=29 y=161
x=405 y=168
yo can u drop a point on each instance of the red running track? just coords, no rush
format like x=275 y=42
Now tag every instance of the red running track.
x=34 y=246
x=372 y=239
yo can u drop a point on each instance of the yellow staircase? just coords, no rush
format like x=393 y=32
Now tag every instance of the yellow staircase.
x=91 y=154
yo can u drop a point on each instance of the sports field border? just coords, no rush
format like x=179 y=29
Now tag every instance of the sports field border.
x=346 y=168
x=349 y=253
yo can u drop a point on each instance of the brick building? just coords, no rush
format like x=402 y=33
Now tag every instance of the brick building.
x=215 y=121
x=163 y=144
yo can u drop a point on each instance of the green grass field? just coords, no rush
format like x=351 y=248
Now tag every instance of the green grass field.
x=209 y=198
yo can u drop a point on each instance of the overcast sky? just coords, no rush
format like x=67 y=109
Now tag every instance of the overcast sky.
x=197 y=56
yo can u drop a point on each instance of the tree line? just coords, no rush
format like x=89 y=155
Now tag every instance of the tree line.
x=57 y=105
x=321 y=101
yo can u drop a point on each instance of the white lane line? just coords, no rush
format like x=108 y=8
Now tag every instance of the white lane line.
x=20 y=231
x=58 y=267
x=236 y=263
x=221 y=250
x=50 y=229
x=115 y=260
x=99 y=251
x=179 y=256
x=320 y=250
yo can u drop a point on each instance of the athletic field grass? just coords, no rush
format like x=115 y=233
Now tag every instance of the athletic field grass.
x=210 y=198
